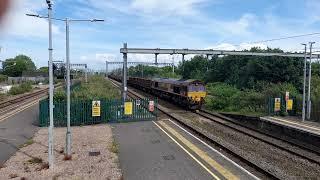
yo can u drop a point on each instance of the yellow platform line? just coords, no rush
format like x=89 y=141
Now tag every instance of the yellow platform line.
x=203 y=155
x=194 y=158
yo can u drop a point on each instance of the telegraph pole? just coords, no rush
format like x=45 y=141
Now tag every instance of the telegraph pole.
x=309 y=82
x=304 y=83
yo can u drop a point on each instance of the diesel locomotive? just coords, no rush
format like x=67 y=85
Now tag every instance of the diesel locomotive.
x=187 y=93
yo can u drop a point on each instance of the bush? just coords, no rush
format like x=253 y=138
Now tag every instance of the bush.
x=59 y=95
x=277 y=90
x=20 y=89
x=222 y=97
x=3 y=78
x=227 y=98
x=97 y=87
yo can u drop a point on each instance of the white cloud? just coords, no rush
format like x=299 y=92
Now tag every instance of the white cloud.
x=18 y=24
x=151 y=9
x=240 y=26
x=167 y=7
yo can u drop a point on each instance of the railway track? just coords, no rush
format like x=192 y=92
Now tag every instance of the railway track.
x=16 y=102
x=289 y=149
x=236 y=156
x=303 y=152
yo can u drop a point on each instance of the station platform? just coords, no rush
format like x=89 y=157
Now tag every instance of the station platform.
x=296 y=123
x=163 y=150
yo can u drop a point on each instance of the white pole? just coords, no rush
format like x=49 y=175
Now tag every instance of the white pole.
x=51 y=87
x=309 y=82
x=106 y=69
x=68 y=135
x=124 y=78
x=172 y=64
x=86 y=73
x=304 y=83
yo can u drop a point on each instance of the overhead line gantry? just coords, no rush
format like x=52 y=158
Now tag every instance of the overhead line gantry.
x=207 y=52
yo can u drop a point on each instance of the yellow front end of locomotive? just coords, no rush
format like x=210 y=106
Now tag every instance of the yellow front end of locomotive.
x=197 y=96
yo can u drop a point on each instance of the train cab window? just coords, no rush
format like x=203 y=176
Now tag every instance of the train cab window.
x=176 y=89
x=194 y=88
x=202 y=88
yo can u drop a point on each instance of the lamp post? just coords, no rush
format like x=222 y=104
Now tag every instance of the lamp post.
x=51 y=87
x=68 y=133
x=50 y=141
x=304 y=83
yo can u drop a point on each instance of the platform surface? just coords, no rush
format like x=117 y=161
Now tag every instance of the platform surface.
x=296 y=123
x=147 y=151
x=16 y=130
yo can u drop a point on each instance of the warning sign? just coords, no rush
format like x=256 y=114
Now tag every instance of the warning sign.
x=128 y=108
x=287 y=95
x=289 y=104
x=151 y=106
x=277 y=104
x=96 y=108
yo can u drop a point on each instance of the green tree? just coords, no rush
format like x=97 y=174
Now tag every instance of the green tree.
x=15 y=66
x=247 y=71
x=196 y=68
x=152 y=71
x=44 y=69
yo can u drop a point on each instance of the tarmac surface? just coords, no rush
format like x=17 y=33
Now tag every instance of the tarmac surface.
x=16 y=130
x=147 y=152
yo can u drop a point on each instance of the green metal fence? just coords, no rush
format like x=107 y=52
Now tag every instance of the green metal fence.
x=296 y=107
x=110 y=111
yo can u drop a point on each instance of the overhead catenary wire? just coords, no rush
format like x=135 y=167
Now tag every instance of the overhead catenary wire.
x=280 y=38
x=287 y=37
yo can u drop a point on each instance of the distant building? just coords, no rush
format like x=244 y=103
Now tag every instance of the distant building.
x=35 y=77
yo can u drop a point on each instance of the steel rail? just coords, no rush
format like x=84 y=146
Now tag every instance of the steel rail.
x=227 y=122
x=22 y=98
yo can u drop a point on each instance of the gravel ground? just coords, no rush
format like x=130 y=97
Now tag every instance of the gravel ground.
x=30 y=161
x=280 y=163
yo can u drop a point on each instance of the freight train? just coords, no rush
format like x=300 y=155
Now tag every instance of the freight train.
x=187 y=93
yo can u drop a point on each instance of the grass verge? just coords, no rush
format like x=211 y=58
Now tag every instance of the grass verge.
x=114 y=147
x=27 y=143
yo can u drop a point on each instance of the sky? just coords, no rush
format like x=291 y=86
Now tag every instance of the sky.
x=192 y=24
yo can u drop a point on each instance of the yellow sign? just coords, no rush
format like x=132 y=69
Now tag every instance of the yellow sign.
x=289 y=104
x=96 y=108
x=128 y=108
x=277 y=104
